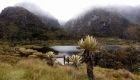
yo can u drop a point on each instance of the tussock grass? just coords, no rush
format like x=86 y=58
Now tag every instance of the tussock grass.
x=111 y=74
x=9 y=59
x=34 y=69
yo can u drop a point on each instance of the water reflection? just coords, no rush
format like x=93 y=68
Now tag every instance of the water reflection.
x=65 y=50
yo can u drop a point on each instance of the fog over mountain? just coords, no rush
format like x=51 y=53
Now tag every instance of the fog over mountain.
x=131 y=13
x=128 y=12
x=34 y=9
x=109 y=21
x=46 y=17
x=19 y=23
x=114 y=21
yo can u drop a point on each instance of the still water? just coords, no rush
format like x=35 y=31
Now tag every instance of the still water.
x=65 y=50
x=72 y=49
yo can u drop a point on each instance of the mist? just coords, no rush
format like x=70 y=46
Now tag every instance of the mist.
x=65 y=10
x=129 y=12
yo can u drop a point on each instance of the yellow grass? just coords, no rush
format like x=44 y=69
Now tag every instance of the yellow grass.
x=34 y=69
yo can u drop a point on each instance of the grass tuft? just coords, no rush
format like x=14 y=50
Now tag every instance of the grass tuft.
x=35 y=69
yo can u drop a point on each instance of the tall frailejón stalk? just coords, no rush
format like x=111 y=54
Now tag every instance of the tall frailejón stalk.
x=90 y=45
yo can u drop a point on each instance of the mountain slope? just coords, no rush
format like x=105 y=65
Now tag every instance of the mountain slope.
x=45 y=17
x=130 y=13
x=18 y=23
x=99 y=22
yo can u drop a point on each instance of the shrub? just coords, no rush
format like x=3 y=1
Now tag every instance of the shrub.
x=76 y=60
x=50 y=58
x=128 y=59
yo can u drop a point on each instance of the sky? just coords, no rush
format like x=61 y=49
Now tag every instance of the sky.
x=64 y=10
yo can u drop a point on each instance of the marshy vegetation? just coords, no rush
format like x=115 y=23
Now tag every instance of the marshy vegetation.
x=25 y=62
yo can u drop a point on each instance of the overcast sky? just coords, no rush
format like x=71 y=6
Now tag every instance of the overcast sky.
x=66 y=9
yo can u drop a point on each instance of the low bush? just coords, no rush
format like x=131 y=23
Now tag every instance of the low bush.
x=128 y=59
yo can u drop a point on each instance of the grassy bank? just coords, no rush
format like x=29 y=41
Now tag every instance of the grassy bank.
x=102 y=40
x=13 y=66
x=34 y=69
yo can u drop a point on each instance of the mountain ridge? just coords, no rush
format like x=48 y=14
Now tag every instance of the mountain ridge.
x=104 y=22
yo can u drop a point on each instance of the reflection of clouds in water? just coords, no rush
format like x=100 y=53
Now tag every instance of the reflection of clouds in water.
x=61 y=60
x=65 y=50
